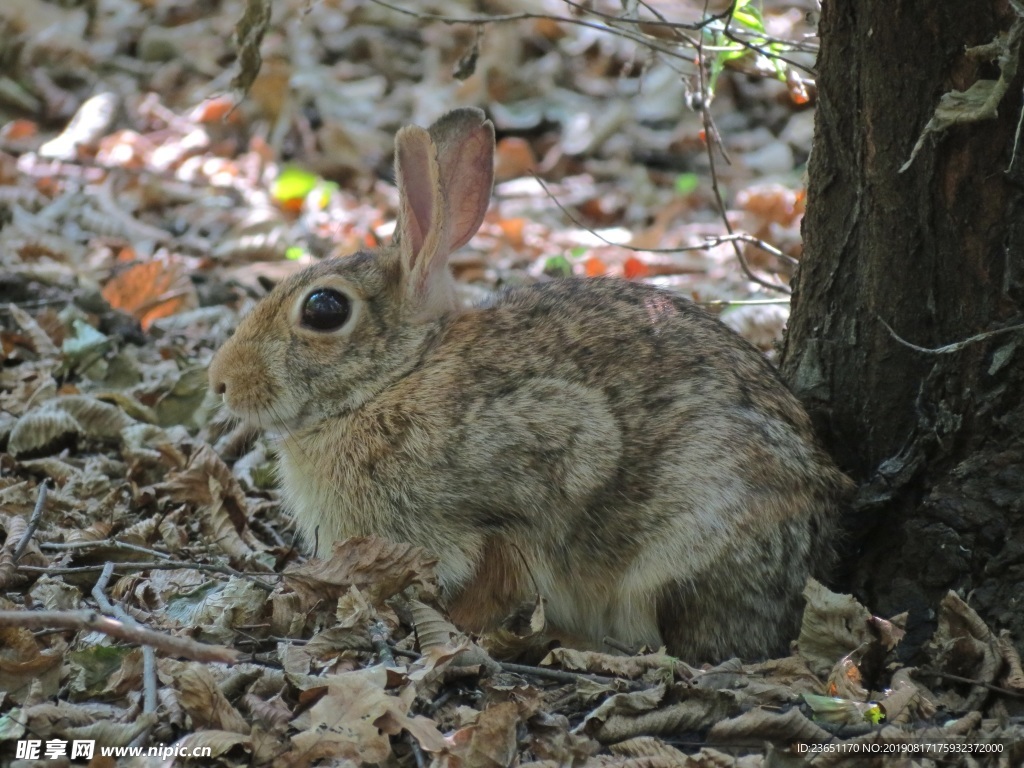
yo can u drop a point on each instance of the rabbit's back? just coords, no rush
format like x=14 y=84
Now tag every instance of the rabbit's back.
x=605 y=443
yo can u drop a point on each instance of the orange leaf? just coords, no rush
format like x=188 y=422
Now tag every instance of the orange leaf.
x=797 y=88
x=150 y=290
x=549 y=29
x=769 y=202
x=292 y=205
x=512 y=229
x=19 y=129
x=634 y=268
x=49 y=186
x=514 y=158
x=595 y=267
x=215 y=109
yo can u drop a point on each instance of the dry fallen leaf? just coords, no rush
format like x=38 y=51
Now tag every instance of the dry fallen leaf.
x=760 y=724
x=207 y=484
x=149 y=290
x=379 y=568
x=833 y=625
x=964 y=643
x=24 y=662
x=513 y=157
x=905 y=704
x=629 y=667
x=490 y=740
x=353 y=719
x=626 y=715
x=201 y=697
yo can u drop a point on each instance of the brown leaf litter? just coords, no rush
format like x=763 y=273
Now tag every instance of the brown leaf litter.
x=152 y=590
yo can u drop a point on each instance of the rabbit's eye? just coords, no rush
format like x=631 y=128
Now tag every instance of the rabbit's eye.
x=326 y=310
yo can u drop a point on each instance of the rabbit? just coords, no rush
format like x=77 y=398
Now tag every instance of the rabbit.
x=604 y=443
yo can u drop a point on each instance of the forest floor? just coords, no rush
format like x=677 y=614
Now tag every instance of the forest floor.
x=154 y=593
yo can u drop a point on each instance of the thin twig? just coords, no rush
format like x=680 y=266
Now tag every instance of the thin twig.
x=148 y=654
x=948 y=348
x=417 y=751
x=734 y=36
x=63 y=546
x=149 y=681
x=713 y=240
x=742 y=302
x=664 y=22
x=924 y=671
x=33 y=522
x=564 y=676
x=170 y=645
x=558 y=675
x=638 y=38
x=710 y=141
x=710 y=241
x=636 y=22
x=166 y=565
x=727 y=31
x=618 y=645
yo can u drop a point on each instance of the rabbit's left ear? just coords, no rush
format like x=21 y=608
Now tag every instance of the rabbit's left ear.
x=444 y=183
x=465 y=155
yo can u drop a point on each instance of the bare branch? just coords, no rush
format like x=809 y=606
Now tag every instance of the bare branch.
x=33 y=521
x=949 y=348
x=94 y=621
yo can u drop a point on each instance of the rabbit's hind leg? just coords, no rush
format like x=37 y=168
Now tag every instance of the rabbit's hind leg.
x=498 y=586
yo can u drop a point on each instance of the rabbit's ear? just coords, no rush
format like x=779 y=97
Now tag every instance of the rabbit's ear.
x=422 y=224
x=465 y=154
x=444 y=182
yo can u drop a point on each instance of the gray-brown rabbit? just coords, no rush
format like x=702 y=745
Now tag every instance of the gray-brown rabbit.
x=605 y=443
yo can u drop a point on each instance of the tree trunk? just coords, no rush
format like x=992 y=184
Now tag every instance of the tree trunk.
x=937 y=252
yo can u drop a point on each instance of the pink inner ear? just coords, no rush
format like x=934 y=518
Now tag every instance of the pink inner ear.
x=468 y=179
x=419 y=194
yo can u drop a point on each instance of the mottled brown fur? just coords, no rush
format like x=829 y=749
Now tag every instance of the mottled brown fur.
x=604 y=442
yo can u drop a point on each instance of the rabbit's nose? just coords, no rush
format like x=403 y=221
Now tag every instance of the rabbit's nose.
x=220 y=387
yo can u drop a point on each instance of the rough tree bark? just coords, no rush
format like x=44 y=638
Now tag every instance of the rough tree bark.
x=937 y=252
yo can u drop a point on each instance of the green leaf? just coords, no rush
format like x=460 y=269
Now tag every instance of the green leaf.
x=557 y=266
x=579 y=251
x=324 y=190
x=749 y=16
x=293 y=183
x=294 y=252
x=780 y=66
x=687 y=183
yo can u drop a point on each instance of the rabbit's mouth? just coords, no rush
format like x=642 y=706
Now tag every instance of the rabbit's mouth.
x=275 y=422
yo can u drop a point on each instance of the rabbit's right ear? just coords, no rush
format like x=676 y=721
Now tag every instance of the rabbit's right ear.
x=444 y=182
